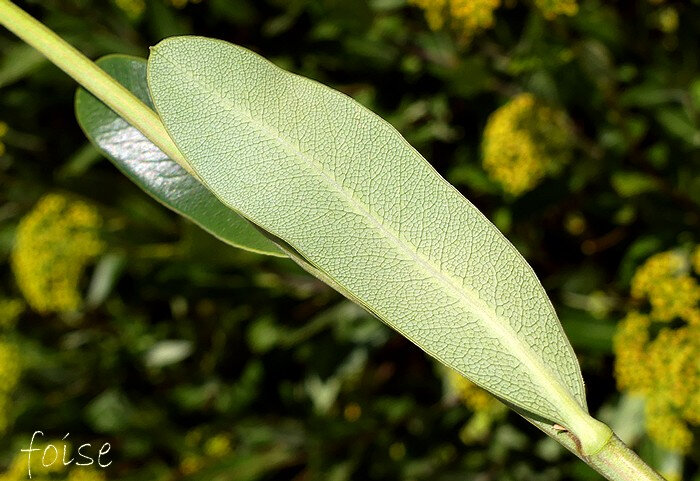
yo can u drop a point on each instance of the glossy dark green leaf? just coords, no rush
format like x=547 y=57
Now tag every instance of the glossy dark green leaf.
x=151 y=169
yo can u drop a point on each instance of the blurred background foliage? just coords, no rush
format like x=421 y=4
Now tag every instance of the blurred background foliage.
x=573 y=125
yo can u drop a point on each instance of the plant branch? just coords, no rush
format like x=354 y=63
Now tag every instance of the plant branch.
x=617 y=462
x=90 y=76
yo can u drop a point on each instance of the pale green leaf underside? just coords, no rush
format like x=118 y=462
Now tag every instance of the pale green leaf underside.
x=343 y=188
x=149 y=168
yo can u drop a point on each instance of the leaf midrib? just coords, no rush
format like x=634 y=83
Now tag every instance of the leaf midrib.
x=503 y=331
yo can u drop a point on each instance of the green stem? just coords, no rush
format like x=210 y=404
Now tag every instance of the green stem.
x=617 y=462
x=614 y=460
x=90 y=76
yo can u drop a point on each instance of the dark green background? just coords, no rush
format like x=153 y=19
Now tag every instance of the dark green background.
x=276 y=356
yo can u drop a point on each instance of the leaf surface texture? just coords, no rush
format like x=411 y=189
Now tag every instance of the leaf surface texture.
x=349 y=194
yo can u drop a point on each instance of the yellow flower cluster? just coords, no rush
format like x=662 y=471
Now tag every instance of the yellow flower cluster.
x=553 y=8
x=630 y=342
x=10 y=370
x=10 y=310
x=54 y=243
x=200 y=453
x=668 y=19
x=468 y=17
x=524 y=141
x=18 y=469
x=664 y=367
x=665 y=281
x=487 y=408
x=3 y=131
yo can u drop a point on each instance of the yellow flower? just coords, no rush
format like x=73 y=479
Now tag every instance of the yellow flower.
x=629 y=344
x=18 y=469
x=201 y=451
x=524 y=141
x=674 y=297
x=673 y=361
x=10 y=310
x=553 y=8
x=658 y=266
x=217 y=446
x=3 y=131
x=434 y=12
x=666 y=428
x=54 y=243
x=665 y=281
x=132 y=8
x=668 y=20
x=52 y=453
x=575 y=224
x=664 y=367
x=468 y=17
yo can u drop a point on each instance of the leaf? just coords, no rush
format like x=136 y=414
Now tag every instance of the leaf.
x=630 y=183
x=648 y=95
x=160 y=177
x=18 y=61
x=169 y=351
x=677 y=122
x=357 y=203
x=109 y=412
x=104 y=277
